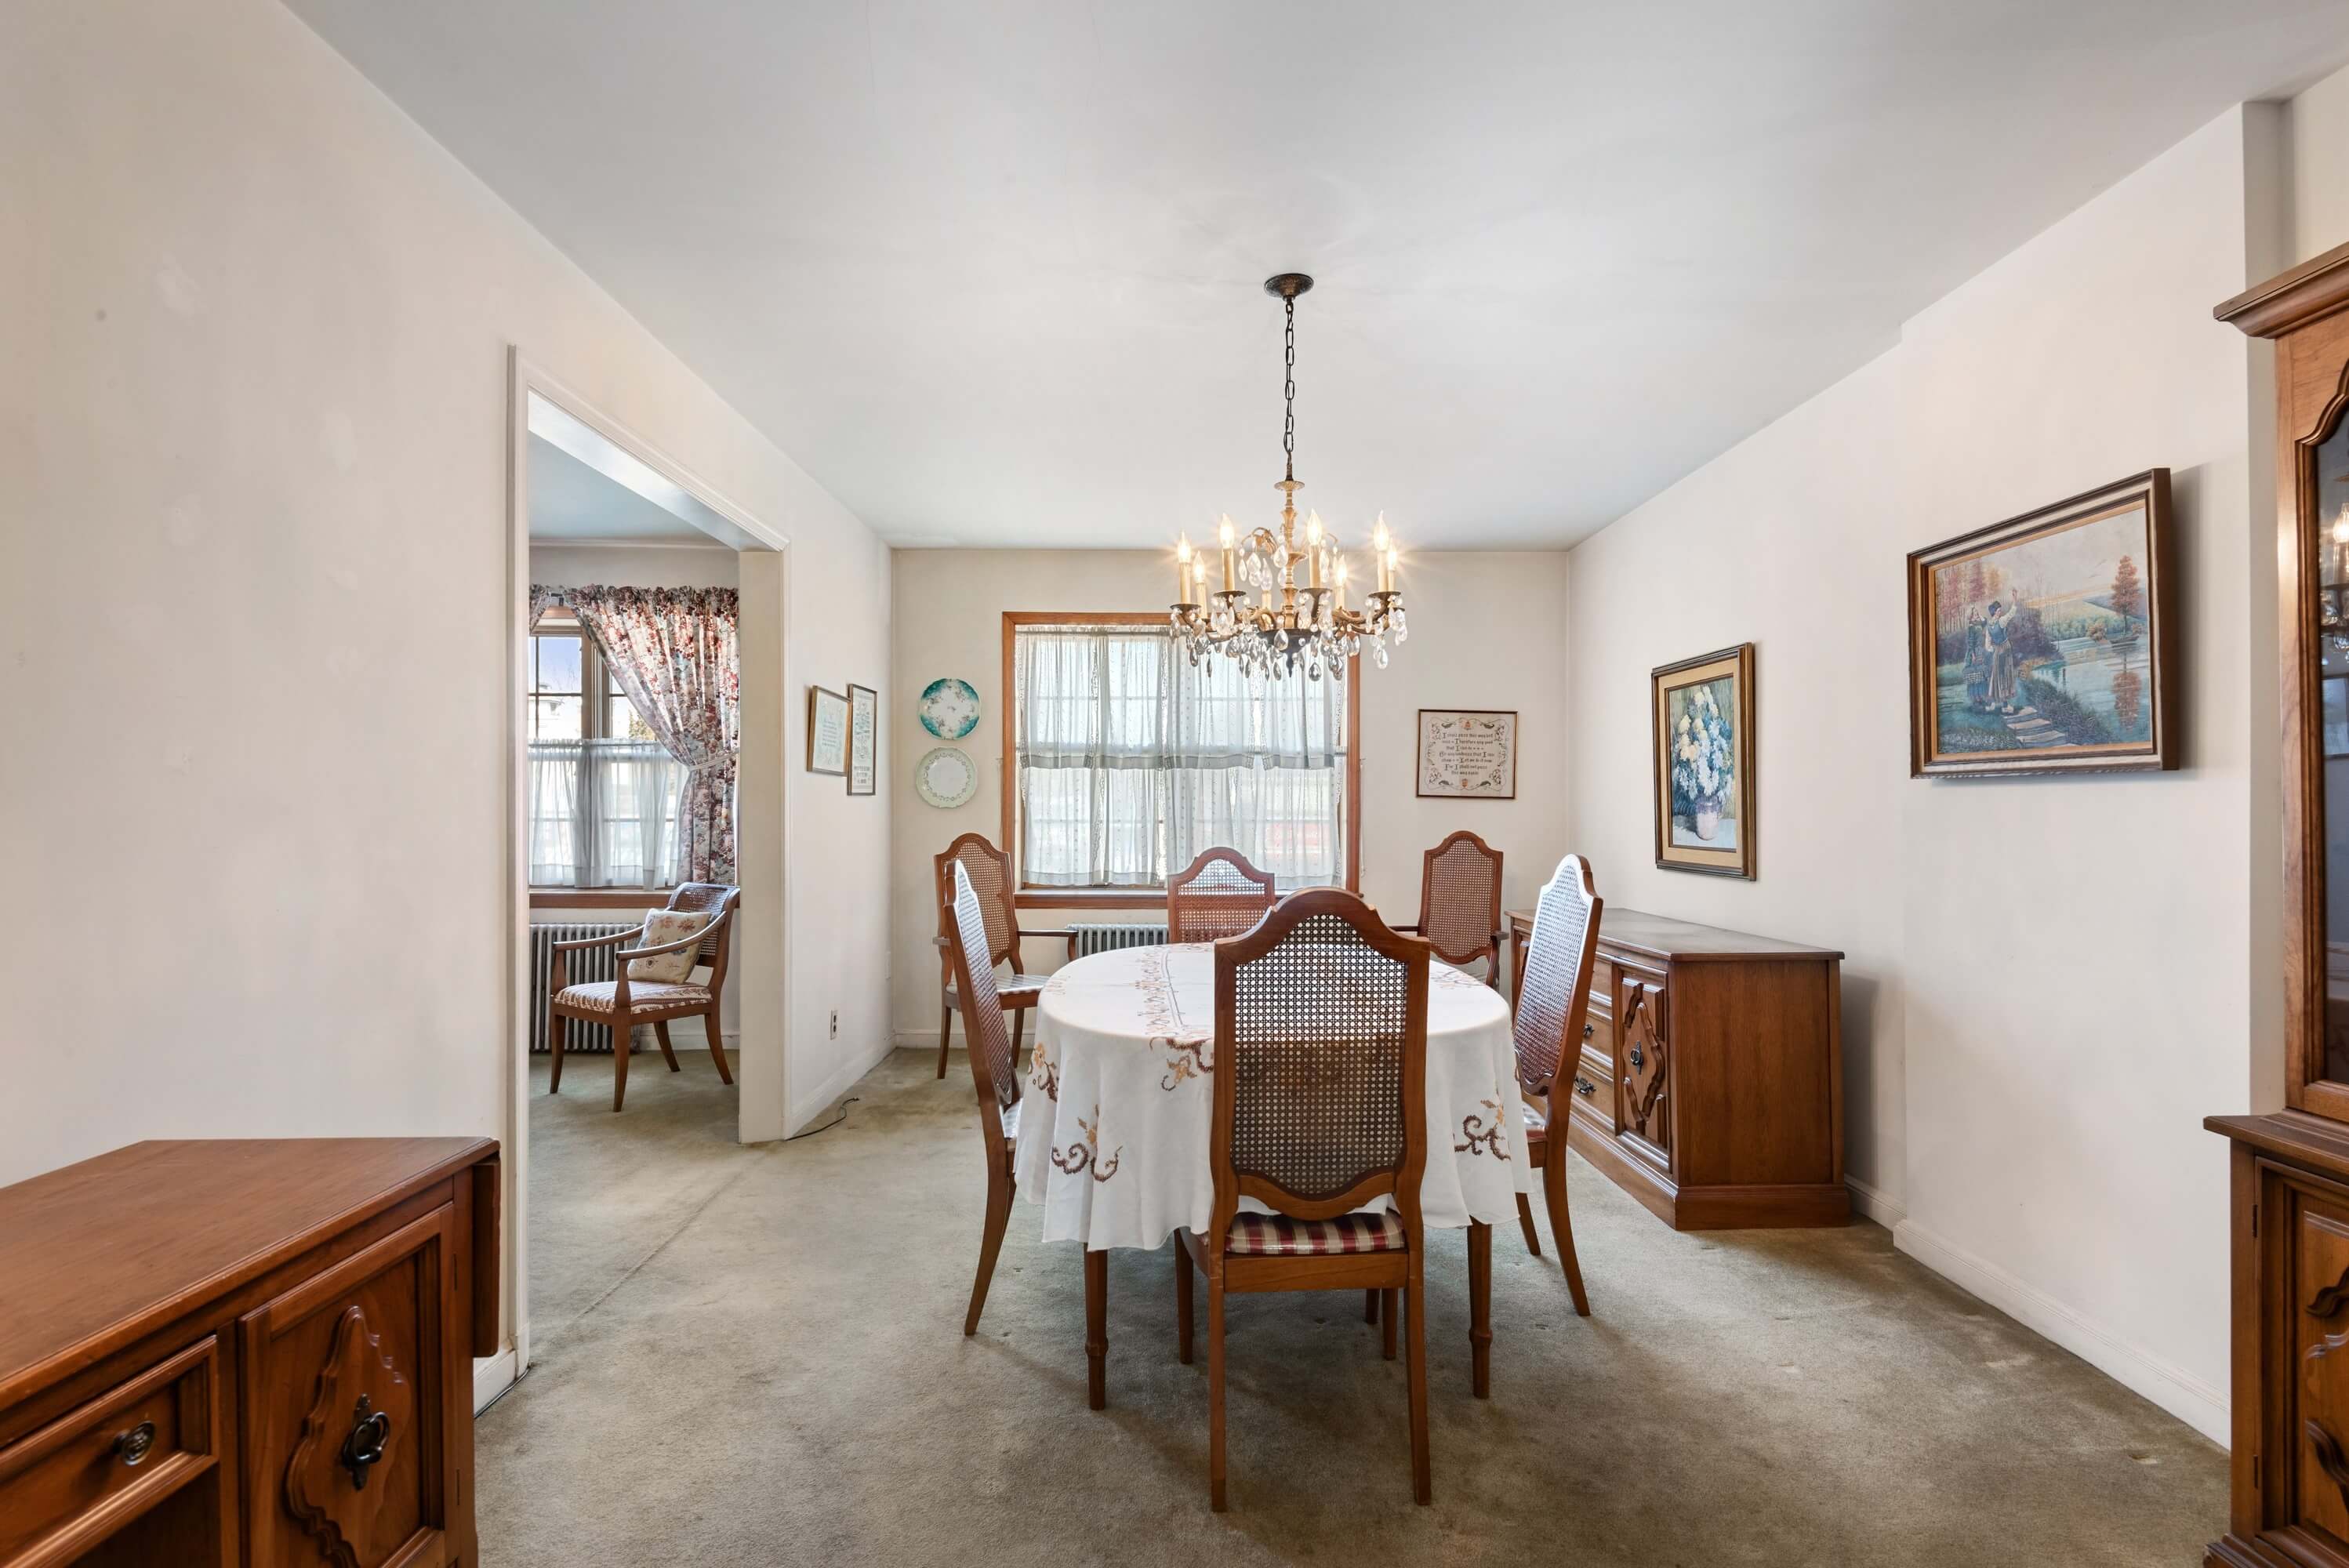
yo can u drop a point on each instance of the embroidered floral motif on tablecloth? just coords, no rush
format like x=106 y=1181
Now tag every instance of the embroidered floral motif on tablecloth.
x=1479 y=1140
x=1086 y=1151
x=1191 y=1047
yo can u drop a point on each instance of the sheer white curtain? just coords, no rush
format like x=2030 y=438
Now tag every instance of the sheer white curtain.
x=1132 y=760
x=603 y=813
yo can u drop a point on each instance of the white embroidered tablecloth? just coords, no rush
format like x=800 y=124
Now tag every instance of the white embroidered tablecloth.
x=1113 y=1117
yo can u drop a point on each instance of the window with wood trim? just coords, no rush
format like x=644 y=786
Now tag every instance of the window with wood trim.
x=1125 y=760
x=602 y=792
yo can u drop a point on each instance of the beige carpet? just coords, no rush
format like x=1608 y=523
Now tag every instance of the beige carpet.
x=754 y=1356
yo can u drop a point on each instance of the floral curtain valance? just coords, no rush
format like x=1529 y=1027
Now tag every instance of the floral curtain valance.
x=674 y=653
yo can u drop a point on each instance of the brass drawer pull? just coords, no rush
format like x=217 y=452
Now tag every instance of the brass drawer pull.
x=134 y=1445
x=1590 y=1029
x=1584 y=1087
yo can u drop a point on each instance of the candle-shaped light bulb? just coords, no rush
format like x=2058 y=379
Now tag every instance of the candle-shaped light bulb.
x=1226 y=533
x=1342 y=581
x=1378 y=536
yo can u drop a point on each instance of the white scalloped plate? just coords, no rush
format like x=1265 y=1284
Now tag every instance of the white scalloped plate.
x=946 y=777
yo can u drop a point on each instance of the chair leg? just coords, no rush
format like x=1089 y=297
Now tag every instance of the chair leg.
x=1370 y=1306
x=1561 y=1228
x=660 y=1033
x=1096 y=1329
x=1480 y=1308
x=1215 y=1393
x=716 y=1045
x=1390 y=1310
x=1526 y=1223
x=1423 y=1484
x=557 y=1026
x=990 y=1243
x=623 y=1037
x=1018 y=1026
x=945 y=1033
x=1183 y=1287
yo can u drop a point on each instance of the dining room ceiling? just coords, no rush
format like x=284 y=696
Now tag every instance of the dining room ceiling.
x=991 y=273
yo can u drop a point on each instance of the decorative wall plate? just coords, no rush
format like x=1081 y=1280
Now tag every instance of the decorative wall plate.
x=946 y=777
x=949 y=708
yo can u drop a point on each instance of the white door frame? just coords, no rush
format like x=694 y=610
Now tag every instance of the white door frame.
x=525 y=378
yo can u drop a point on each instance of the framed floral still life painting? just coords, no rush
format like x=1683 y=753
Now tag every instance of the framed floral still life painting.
x=2041 y=645
x=1705 y=762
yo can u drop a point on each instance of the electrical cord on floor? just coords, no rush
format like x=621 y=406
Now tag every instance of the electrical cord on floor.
x=828 y=1126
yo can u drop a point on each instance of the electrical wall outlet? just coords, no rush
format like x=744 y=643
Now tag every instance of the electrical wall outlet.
x=835 y=1023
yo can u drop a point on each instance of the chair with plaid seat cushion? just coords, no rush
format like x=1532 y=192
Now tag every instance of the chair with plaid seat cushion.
x=1320 y=1115
x=649 y=990
x=990 y=869
x=1460 y=904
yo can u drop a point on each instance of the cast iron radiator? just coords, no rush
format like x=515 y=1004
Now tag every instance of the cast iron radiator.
x=1085 y=940
x=591 y=963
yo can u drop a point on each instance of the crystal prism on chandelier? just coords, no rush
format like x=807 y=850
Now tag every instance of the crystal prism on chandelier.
x=1291 y=624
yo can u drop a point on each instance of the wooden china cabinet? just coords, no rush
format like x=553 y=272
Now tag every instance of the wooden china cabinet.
x=2289 y=1210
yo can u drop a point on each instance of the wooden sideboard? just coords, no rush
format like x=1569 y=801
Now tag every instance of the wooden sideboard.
x=230 y=1352
x=1710 y=1085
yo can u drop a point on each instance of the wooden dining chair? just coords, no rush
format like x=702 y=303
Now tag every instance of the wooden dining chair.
x=1460 y=904
x=1320 y=1107
x=990 y=869
x=623 y=1003
x=994 y=1066
x=1553 y=1007
x=1218 y=895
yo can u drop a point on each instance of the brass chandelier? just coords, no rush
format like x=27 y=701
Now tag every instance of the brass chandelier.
x=1292 y=623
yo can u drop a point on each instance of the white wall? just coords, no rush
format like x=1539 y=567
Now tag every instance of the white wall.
x=2060 y=977
x=253 y=597
x=1782 y=542
x=632 y=566
x=2317 y=127
x=1485 y=633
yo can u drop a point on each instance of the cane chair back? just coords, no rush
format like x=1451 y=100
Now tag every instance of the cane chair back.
x=1218 y=895
x=1460 y=902
x=992 y=1063
x=1321 y=1061
x=1556 y=995
x=718 y=897
x=990 y=869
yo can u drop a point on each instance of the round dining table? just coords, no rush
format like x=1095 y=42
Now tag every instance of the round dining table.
x=1112 y=1135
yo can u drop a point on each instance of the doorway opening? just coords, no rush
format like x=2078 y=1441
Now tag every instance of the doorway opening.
x=646 y=683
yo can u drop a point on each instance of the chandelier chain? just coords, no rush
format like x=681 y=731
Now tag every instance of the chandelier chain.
x=1288 y=388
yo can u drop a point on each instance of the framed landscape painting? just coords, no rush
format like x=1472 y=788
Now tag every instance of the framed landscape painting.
x=2041 y=645
x=1703 y=710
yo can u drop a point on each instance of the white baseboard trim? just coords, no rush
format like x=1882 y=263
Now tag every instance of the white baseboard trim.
x=919 y=1039
x=1869 y=1203
x=2181 y=1393
x=493 y=1376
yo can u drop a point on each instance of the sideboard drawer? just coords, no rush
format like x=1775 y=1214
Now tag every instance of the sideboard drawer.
x=91 y=1471
x=347 y=1409
x=1588 y=1085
